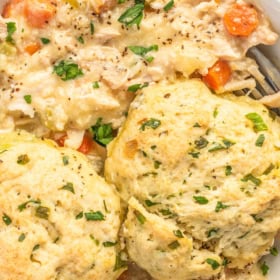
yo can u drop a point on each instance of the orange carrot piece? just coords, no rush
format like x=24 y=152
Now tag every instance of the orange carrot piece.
x=39 y=12
x=7 y=10
x=218 y=75
x=86 y=145
x=32 y=48
x=241 y=20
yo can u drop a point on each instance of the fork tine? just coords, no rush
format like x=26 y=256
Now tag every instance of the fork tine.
x=268 y=69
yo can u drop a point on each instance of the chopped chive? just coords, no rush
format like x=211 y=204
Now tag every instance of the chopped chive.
x=94 y=216
x=68 y=187
x=214 y=264
x=21 y=237
x=152 y=123
x=174 y=245
x=201 y=143
x=220 y=206
x=264 y=268
x=109 y=243
x=95 y=85
x=23 y=159
x=258 y=123
x=150 y=203
x=178 y=233
x=22 y=206
x=140 y=217
x=65 y=160
x=168 y=6
x=42 y=212
x=79 y=215
x=252 y=178
x=228 y=170
x=91 y=28
x=45 y=41
x=260 y=140
x=200 y=199
x=6 y=219
x=28 y=98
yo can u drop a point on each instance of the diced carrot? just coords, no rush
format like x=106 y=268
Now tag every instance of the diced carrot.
x=60 y=141
x=241 y=20
x=218 y=75
x=86 y=145
x=32 y=48
x=39 y=12
x=9 y=8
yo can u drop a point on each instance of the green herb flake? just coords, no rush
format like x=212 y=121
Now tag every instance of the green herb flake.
x=136 y=87
x=94 y=216
x=194 y=154
x=260 y=140
x=269 y=169
x=45 y=41
x=23 y=206
x=201 y=143
x=178 y=233
x=6 y=219
x=165 y=212
x=65 y=160
x=150 y=203
x=21 y=237
x=218 y=146
x=196 y=125
x=228 y=170
x=109 y=243
x=256 y=218
x=132 y=15
x=23 y=159
x=81 y=39
x=200 y=199
x=274 y=251
x=95 y=85
x=212 y=232
x=258 y=123
x=11 y=29
x=157 y=164
x=264 y=268
x=79 y=215
x=28 y=99
x=105 y=206
x=68 y=187
x=42 y=212
x=142 y=51
x=152 y=123
x=67 y=70
x=96 y=241
x=119 y=263
x=214 y=264
x=103 y=133
x=173 y=245
x=253 y=179
x=220 y=206
x=168 y=6
x=140 y=217
x=215 y=113
x=36 y=247
x=91 y=28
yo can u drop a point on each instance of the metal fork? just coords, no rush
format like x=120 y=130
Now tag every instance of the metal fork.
x=271 y=83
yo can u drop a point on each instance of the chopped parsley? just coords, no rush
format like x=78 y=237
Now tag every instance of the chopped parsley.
x=140 y=217
x=228 y=170
x=157 y=164
x=22 y=206
x=67 y=70
x=91 y=28
x=178 y=233
x=95 y=85
x=45 y=41
x=217 y=146
x=28 y=98
x=264 y=268
x=132 y=15
x=258 y=123
x=142 y=51
x=105 y=206
x=103 y=133
x=150 y=203
x=168 y=6
x=215 y=113
x=96 y=241
x=11 y=29
x=42 y=212
x=212 y=232
x=23 y=159
x=36 y=247
x=214 y=264
x=94 y=216
x=152 y=123
x=256 y=218
x=81 y=39
x=273 y=251
x=200 y=199
x=252 y=178
x=194 y=154
x=173 y=245
x=269 y=169
x=6 y=219
x=79 y=215
x=196 y=125
x=65 y=160
x=201 y=143
x=135 y=87
x=109 y=243
x=68 y=187
x=21 y=237
x=119 y=263
x=260 y=140
x=220 y=206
